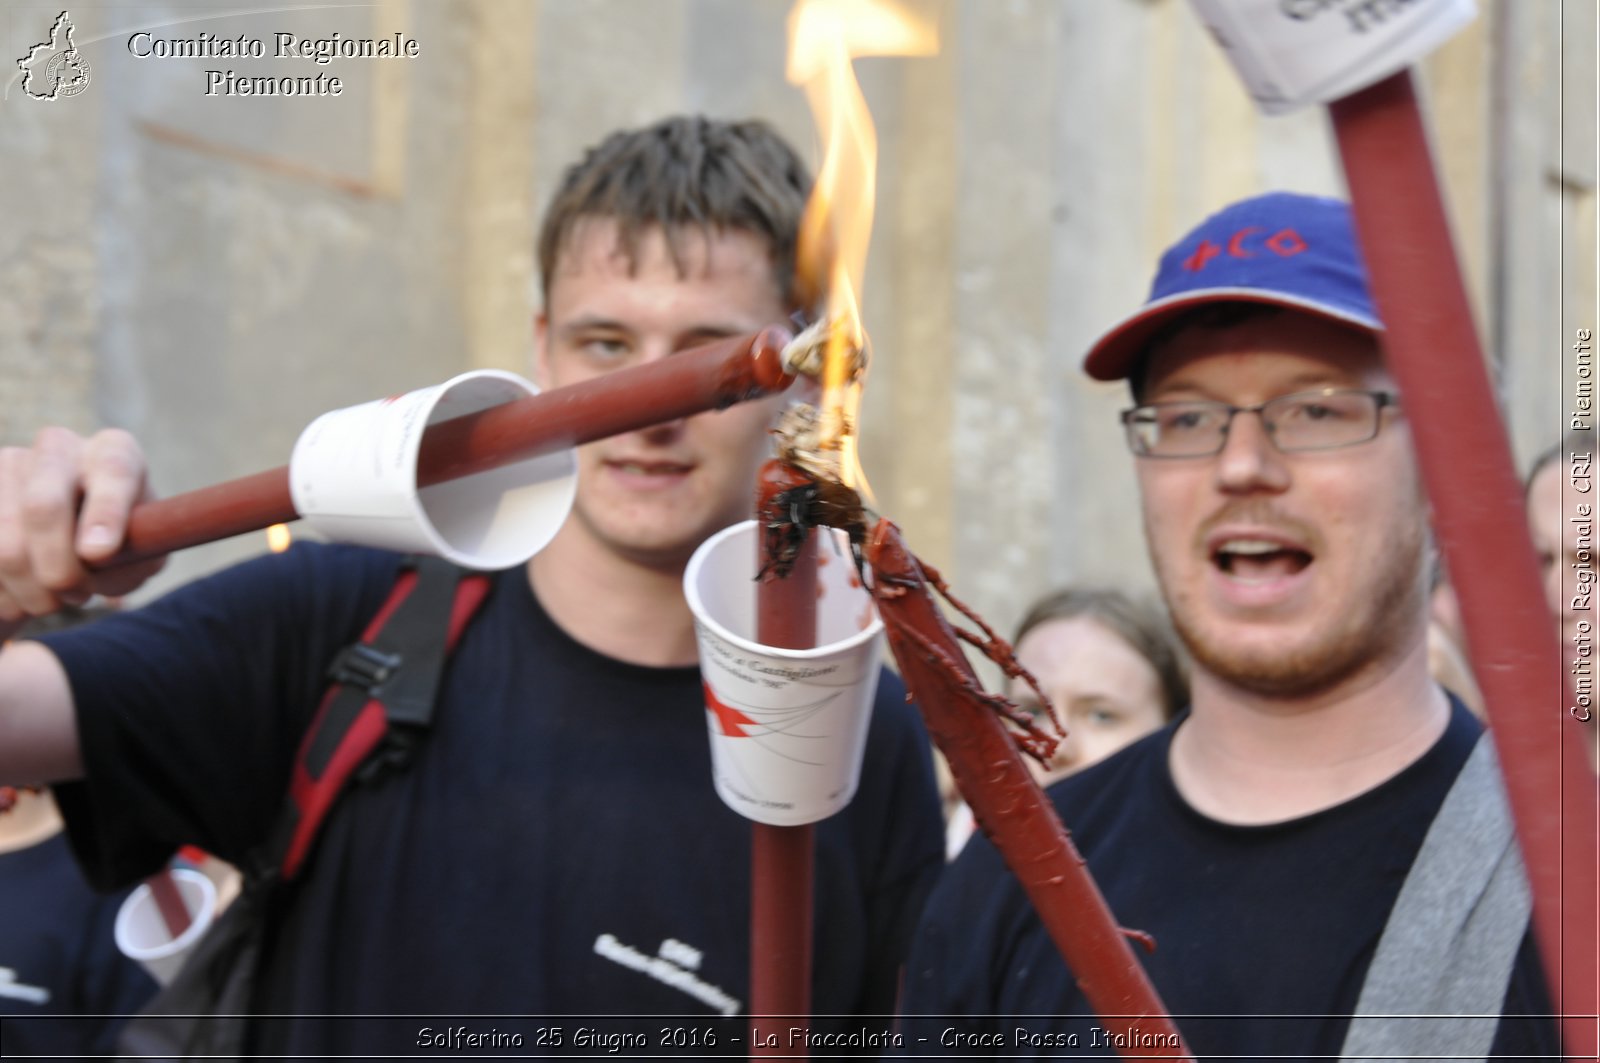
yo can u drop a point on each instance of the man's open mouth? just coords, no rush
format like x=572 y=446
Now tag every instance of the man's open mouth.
x=1259 y=560
x=651 y=468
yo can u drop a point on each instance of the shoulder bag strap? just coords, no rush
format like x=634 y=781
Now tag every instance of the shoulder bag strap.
x=381 y=700
x=1439 y=976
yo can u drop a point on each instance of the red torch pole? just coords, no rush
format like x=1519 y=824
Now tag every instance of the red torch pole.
x=169 y=902
x=1435 y=356
x=782 y=857
x=1009 y=805
x=710 y=377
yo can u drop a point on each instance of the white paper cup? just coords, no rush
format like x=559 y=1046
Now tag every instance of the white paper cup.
x=788 y=727
x=141 y=933
x=353 y=477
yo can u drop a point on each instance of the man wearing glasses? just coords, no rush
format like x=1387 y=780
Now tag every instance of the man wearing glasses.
x=1263 y=838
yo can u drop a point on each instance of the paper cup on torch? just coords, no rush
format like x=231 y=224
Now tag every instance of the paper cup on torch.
x=353 y=476
x=788 y=727
x=141 y=932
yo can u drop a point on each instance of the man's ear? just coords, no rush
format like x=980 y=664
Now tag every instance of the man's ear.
x=541 y=350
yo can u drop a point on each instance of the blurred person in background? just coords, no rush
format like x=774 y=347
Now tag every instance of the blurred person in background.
x=1109 y=665
x=1559 y=482
x=65 y=988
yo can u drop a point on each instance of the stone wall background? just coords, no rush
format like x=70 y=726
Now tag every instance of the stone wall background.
x=212 y=273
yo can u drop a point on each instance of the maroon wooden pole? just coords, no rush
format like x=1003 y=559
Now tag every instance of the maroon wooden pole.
x=710 y=377
x=169 y=902
x=782 y=858
x=1013 y=811
x=1434 y=354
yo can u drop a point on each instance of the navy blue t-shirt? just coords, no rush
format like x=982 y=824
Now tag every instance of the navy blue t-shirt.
x=556 y=848
x=64 y=986
x=1263 y=933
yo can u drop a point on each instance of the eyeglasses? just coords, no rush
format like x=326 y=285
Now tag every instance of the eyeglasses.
x=1304 y=420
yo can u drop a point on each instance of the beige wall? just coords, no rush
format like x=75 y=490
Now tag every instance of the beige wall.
x=212 y=273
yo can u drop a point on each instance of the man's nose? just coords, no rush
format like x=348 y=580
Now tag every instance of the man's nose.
x=1249 y=460
x=1069 y=751
x=652 y=349
x=664 y=432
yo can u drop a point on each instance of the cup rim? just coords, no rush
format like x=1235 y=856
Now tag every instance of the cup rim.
x=691 y=593
x=423 y=521
x=396 y=513
x=200 y=918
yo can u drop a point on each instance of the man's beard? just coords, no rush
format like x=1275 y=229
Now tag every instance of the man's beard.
x=1373 y=629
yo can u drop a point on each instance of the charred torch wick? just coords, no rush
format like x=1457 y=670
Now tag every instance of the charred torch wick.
x=806 y=354
x=813 y=442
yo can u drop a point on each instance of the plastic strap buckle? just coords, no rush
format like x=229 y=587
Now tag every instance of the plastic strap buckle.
x=364 y=667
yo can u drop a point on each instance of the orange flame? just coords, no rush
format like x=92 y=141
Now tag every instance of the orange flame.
x=824 y=35
x=278 y=538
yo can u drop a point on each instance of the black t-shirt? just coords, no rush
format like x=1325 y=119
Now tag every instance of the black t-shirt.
x=1263 y=933
x=64 y=986
x=556 y=848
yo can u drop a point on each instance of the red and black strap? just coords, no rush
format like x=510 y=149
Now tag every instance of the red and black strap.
x=381 y=701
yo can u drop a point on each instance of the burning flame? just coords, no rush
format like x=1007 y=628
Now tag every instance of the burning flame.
x=278 y=538
x=824 y=35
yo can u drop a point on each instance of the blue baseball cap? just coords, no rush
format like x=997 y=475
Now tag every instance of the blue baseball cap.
x=1281 y=248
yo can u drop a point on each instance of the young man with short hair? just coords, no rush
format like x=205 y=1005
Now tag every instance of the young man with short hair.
x=555 y=847
x=1263 y=838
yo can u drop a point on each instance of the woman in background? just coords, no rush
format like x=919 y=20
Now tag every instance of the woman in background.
x=1110 y=667
x=1565 y=545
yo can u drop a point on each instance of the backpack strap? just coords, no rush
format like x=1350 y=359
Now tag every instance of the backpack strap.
x=1438 y=978
x=380 y=702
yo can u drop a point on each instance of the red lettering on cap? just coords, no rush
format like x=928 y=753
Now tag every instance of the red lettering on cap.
x=1286 y=242
x=1236 y=245
x=1202 y=254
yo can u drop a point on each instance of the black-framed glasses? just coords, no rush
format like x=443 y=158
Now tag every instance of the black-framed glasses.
x=1305 y=420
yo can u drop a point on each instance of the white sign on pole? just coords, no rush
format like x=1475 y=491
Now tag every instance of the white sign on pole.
x=1291 y=53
